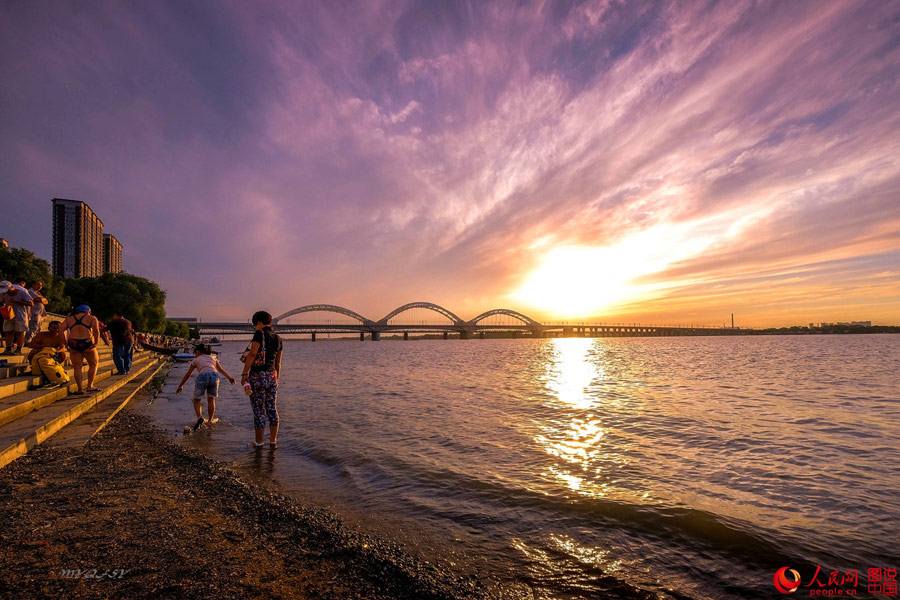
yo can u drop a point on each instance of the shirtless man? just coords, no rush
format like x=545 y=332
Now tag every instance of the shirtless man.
x=51 y=338
x=82 y=331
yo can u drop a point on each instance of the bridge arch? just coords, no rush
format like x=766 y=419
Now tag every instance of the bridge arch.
x=429 y=305
x=505 y=311
x=324 y=308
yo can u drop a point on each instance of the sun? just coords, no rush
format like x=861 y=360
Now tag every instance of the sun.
x=576 y=281
x=572 y=281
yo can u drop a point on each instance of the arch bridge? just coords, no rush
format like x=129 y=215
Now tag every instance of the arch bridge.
x=455 y=325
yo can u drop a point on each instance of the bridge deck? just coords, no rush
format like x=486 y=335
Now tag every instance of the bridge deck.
x=224 y=328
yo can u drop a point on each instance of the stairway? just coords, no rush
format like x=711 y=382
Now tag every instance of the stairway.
x=30 y=415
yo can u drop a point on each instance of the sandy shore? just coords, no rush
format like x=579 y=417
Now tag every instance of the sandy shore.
x=133 y=515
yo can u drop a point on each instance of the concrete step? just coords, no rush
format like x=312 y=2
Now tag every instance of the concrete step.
x=90 y=423
x=15 y=406
x=18 y=364
x=23 y=434
x=27 y=381
x=13 y=370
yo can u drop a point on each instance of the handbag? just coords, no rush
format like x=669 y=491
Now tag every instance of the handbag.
x=6 y=311
x=260 y=360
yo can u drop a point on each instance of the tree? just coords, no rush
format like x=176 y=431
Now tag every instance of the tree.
x=19 y=263
x=139 y=300
x=177 y=329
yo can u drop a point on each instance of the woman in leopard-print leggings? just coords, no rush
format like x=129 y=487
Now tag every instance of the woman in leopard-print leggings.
x=264 y=388
x=262 y=364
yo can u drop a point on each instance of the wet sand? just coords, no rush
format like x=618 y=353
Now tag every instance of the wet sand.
x=133 y=515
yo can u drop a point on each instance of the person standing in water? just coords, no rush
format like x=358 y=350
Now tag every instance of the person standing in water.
x=262 y=365
x=207 y=384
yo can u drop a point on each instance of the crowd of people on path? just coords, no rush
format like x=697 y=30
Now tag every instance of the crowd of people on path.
x=77 y=336
x=261 y=367
x=161 y=341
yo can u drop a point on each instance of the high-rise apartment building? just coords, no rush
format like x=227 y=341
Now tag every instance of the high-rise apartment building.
x=112 y=254
x=77 y=240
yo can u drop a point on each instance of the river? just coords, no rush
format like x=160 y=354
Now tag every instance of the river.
x=583 y=468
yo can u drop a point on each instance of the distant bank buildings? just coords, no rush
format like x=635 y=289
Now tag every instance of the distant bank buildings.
x=80 y=248
x=842 y=324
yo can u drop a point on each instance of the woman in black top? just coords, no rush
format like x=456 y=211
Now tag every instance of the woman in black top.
x=82 y=332
x=262 y=364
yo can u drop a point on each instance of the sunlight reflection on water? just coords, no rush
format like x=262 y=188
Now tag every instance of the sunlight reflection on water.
x=584 y=467
x=570 y=373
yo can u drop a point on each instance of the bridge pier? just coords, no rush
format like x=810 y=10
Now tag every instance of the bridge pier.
x=405 y=335
x=480 y=335
x=376 y=336
x=362 y=337
x=463 y=335
x=313 y=336
x=446 y=336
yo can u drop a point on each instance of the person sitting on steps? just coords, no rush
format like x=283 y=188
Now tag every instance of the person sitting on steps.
x=51 y=338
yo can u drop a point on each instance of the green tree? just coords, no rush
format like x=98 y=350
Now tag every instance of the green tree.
x=19 y=263
x=177 y=329
x=139 y=300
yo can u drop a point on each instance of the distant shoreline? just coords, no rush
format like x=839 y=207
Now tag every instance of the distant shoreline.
x=831 y=330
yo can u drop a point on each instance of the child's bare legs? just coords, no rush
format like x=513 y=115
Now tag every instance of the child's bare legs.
x=198 y=408
x=211 y=404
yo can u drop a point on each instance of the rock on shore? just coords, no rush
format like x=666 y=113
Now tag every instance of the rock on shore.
x=132 y=515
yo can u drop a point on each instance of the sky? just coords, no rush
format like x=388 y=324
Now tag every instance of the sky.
x=651 y=162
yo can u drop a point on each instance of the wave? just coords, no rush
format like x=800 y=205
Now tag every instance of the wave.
x=671 y=525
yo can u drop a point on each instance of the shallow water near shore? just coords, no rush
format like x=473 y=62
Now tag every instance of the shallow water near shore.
x=581 y=468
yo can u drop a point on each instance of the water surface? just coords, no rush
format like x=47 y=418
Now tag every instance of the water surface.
x=583 y=468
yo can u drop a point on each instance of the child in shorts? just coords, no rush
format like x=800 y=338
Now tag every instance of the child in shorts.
x=207 y=384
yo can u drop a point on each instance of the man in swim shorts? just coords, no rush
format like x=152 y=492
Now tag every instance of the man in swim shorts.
x=14 y=329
